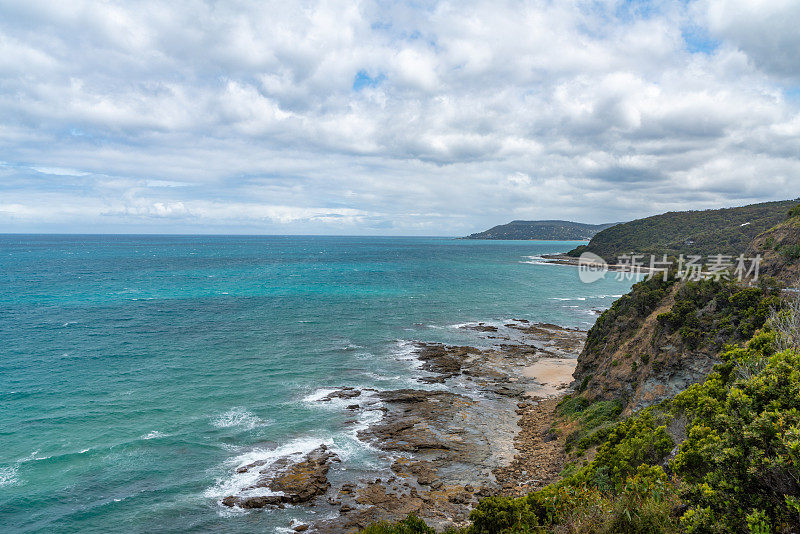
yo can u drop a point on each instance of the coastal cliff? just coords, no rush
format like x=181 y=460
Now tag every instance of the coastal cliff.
x=684 y=414
x=779 y=248
x=666 y=335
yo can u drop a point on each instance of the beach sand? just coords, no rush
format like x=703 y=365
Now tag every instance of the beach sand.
x=551 y=374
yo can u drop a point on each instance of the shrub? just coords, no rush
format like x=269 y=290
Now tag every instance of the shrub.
x=709 y=312
x=742 y=451
x=791 y=252
x=595 y=420
x=644 y=504
x=409 y=525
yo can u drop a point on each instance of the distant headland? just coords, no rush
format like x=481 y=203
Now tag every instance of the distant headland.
x=544 y=230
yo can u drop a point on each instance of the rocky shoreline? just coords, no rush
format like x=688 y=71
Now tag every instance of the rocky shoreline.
x=563 y=259
x=480 y=425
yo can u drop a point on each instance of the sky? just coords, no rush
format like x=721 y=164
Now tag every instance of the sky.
x=390 y=118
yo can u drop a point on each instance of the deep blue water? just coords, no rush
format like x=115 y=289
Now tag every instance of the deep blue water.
x=137 y=371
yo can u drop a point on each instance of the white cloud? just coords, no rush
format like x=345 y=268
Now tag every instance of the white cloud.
x=467 y=114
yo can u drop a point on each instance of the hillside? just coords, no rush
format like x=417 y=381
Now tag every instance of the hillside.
x=779 y=248
x=545 y=230
x=665 y=335
x=721 y=231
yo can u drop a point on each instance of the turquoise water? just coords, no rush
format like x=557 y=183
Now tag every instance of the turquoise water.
x=137 y=371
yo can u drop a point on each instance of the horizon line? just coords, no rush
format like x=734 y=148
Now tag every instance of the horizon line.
x=100 y=234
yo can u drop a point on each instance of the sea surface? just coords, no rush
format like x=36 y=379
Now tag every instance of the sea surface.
x=136 y=372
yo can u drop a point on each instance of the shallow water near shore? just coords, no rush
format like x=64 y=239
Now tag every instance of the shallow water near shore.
x=136 y=372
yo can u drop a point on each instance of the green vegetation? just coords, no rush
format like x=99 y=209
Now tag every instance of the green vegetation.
x=791 y=252
x=644 y=503
x=594 y=421
x=549 y=230
x=709 y=312
x=722 y=231
x=721 y=456
x=409 y=525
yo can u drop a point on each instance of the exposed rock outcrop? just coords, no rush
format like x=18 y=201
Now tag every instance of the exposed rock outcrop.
x=450 y=448
x=664 y=336
x=292 y=482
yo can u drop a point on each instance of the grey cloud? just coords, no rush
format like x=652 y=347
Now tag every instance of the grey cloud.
x=766 y=31
x=630 y=175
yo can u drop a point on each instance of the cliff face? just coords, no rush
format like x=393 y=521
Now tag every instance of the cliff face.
x=664 y=336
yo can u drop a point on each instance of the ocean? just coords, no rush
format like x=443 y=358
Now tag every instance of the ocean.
x=136 y=372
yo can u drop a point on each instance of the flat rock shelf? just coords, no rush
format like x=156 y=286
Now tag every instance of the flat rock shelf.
x=478 y=425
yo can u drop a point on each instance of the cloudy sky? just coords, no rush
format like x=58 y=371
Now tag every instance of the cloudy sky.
x=375 y=117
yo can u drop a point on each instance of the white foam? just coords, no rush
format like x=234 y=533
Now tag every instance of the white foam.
x=567 y=298
x=238 y=417
x=154 y=434
x=406 y=351
x=535 y=260
x=378 y=377
x=236 y=483
x=369 y=408
x=318 y=395
x=370 y=412
x=8 y=475
x=368 y=415
x=539 y=260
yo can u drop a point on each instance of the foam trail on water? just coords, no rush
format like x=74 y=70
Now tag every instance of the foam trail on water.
x=238 y=417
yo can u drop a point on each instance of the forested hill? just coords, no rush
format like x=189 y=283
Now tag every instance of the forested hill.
x=547 y=230
x=721 y=231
